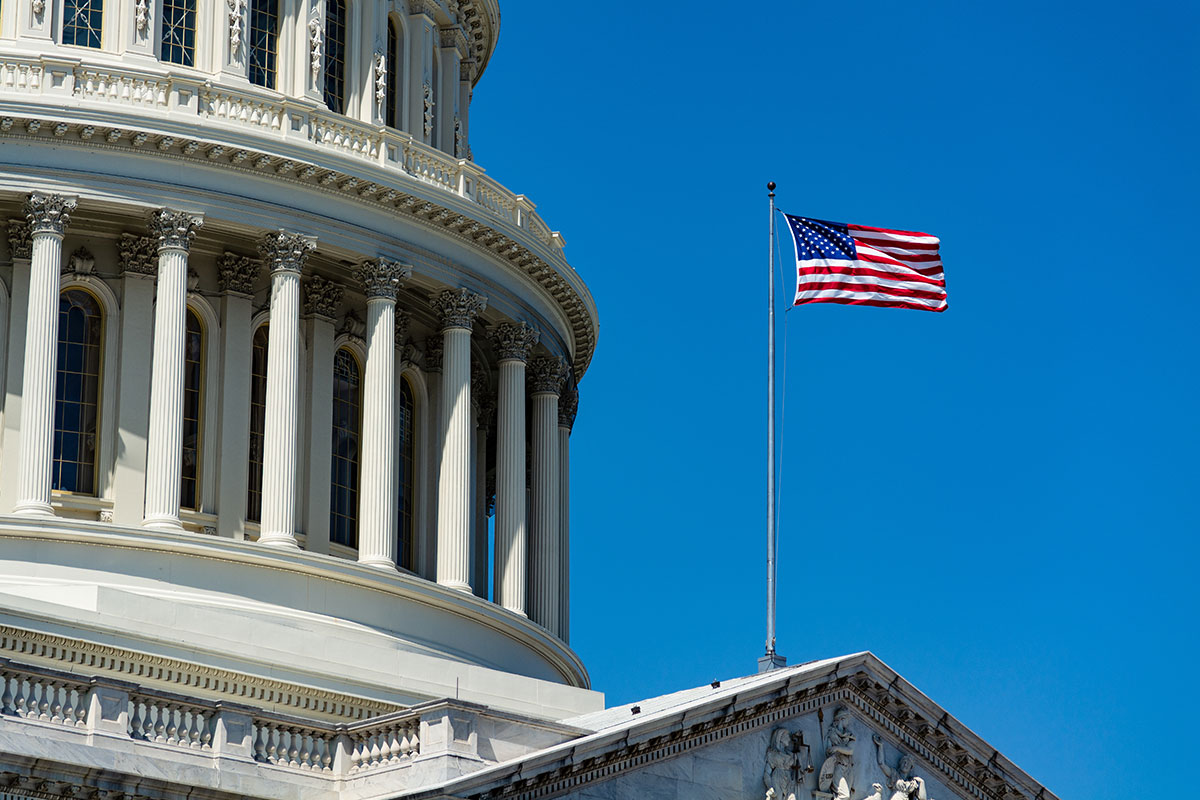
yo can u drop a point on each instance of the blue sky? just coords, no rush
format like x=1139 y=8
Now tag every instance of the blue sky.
x=1000 y=501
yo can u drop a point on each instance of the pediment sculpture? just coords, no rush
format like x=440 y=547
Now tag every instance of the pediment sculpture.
x=788 y=761
x=834 y=780
x=900 y=781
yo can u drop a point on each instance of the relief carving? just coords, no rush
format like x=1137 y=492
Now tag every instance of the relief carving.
x=427 y=94
x=380 y=80
x=316 y=38
x=836 y=771
x=139 y=254
x=788 y=761
x=237 y=10
x=20 y=242
x=81 y=262
x=322 y=296
x=141 y=17
x=237 y=273
x=901 y=781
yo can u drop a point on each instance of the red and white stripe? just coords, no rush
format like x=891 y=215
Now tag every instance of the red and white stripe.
x=894 y=269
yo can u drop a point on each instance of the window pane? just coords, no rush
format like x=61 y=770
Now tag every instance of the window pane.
x=335 y=55
x=189 y=487
x=347 y=402
x=179 y=31
x=264 y=35
x=77 y=392
x=82 y=21
x=258 y=417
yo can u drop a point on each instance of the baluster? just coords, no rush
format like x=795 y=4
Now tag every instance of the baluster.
x=172 y=723
x=273 y=745
x=376 y=753
x=137 y=719
x=356 y=755
x=326 y=755
x=260 y=743
x=160 y=724
x=24 y=697
x=6 y=702
x=193 y=729
x=44 y=700
x=292 y=752
x=206 y=732
x=394 y=747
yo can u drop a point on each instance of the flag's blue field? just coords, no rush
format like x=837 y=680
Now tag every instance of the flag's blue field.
x=1001 y=501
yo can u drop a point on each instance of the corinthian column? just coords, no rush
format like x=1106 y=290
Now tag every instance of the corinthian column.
x=48 y=215
x=174 y=231
x=377 y=502
x=284 y=254
x=457 y=308
x=567 y=407
x=547 y=374
x=513 y=343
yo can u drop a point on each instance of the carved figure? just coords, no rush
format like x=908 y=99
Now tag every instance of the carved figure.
x=427 y=93
x=316 y=38
x=835 y=775
x=876 y=793
x=787 y=761
x=38 y=6
x=141 y=16
x=380 y=78
x=237 y=9
x=901 y=781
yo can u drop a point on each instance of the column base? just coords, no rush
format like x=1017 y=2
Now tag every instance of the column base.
x=168 y=524
x=518 y=611
x=279 y=540
x=34 y=508
x=461 y=587
x=378 y=563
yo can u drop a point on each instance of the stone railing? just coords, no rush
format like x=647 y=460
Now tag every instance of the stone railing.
x=291 y=120
x=208 y=728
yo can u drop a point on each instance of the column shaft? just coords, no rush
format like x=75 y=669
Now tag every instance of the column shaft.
x=543 y=502
x=48 y=216
x=564 y=531
x=282 y=412
x=164 y=462
x=377 y=503
x=454 y=490
x=512 y=534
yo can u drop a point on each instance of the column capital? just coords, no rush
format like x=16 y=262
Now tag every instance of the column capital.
x=458 y=307
x=20 y=241
x=237 y=274
x=139 y=254
x=382 y=277
x=547 y=374
x=283 y=251
x=322 y=296
x=173 y=229
x=568 y=406
x=49 y=213
x=400 y=327
x=513 y=341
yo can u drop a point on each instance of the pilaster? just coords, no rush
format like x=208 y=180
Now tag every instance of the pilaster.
x=20 y=249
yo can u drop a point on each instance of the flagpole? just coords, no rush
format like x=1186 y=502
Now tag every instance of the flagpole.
x=771 y=660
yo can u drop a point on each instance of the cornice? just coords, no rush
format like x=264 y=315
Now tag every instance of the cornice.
x=448 y=213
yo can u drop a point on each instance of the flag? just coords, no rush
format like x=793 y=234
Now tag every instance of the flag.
x=857 y=265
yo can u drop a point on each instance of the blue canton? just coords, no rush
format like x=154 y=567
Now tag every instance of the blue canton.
x=816 y=238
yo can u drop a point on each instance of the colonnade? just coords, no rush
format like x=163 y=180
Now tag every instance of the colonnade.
x=531 y=531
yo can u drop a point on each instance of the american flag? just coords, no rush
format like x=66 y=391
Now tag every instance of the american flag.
x=857 y=265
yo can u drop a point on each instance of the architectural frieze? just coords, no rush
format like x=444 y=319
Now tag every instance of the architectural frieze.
x=74 y=655
x=474 y=231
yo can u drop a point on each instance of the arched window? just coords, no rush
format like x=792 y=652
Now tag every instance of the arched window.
x=82 y=22
x=77 y=392
x=406 y=549
x=347 y=403
x=264 y=38
x=179 y=32
x=335 y=55
x=395 y=52
x=193 y=393
x=258 y=420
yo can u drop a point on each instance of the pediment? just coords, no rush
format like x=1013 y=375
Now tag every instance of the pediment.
x=843 y=729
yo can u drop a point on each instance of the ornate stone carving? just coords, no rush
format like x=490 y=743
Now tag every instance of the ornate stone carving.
x=568 y=407
x=38 y=7
x=487 y=410
x=382 y=277
x=48 y=213
x=514 y=340
x=788 y=761
x=458 y=307
x=547 y=374
x=427 y=94
x=139 y=254
x=282 y=250
x=237 y=12
x=400 y=328
x=901 y=782
x=81 y=262
x=20 y=243
x=237 y=274
x=458 y=137
x=141 y=17
x=380 y=70
x=480 y=382
x=433 y=353
x=353 y=326
x=174 y=229
x=106 y=515
x=322 y=296
x=193 y=280
x=316 y=38
x=836 y=771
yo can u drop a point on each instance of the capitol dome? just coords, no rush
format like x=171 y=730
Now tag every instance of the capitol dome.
x=274 y=349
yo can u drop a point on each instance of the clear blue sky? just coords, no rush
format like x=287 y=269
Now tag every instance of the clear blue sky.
x=1000 y=501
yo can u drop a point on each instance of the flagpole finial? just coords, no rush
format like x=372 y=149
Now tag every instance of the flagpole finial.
x=771 y=188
